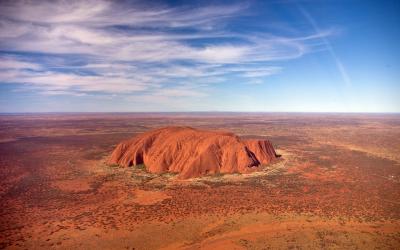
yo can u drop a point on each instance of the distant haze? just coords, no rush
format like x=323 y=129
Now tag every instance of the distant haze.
x=257 y=56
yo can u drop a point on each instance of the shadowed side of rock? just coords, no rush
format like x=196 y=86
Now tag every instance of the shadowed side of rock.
x=263 y=150
x=192 y=153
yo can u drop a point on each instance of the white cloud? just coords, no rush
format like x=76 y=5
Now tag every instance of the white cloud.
x=11 y=63
x=221 y=54
x=149 y=54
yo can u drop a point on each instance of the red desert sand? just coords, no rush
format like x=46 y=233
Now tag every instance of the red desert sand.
x=192 y=152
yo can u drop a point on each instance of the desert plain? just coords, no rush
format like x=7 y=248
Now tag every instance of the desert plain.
x=335 y=186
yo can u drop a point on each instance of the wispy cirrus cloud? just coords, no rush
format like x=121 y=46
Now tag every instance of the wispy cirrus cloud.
x=113 y=47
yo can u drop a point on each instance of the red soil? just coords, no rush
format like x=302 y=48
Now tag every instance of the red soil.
x=193 y=153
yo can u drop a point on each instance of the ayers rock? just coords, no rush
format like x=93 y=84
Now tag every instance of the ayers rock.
x=192 y=152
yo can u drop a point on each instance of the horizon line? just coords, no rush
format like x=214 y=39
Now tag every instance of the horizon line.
x=188 y=112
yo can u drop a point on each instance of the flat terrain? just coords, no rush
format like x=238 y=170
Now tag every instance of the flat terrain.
x=337 y=185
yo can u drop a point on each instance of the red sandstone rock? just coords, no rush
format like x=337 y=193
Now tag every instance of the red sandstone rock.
x=263 y=150
x=192 y=153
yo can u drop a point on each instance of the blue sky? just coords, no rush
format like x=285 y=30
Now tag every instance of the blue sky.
x=261 y=56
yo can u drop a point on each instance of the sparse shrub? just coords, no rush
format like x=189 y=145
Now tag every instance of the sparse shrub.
x=218 y=175
x=141 y=167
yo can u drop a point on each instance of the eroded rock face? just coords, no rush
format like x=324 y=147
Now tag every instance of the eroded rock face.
x=192 y=153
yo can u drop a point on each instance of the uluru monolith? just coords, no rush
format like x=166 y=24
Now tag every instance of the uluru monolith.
x=192 y=153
